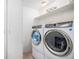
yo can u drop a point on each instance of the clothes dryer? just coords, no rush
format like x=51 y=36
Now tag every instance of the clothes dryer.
x=58 y=40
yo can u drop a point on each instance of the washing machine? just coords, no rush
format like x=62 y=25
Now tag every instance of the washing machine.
x=58 y=40
x=37 y=42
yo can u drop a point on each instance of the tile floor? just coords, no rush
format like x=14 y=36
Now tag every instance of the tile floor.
x=27 y=56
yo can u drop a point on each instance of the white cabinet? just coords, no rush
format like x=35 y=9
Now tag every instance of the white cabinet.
x=53 y=5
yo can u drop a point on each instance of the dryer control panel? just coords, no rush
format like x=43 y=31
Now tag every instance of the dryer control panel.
x=59 y=25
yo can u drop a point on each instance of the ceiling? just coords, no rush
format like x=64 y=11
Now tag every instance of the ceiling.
x=32 y=3
x=36 y=4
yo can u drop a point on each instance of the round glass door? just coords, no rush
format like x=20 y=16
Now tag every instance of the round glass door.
x=57 y=42
x=36 y=37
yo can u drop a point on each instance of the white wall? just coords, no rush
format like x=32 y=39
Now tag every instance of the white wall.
x=28 y=17
x=13 y=29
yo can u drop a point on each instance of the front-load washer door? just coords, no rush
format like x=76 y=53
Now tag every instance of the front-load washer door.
x=36 y=37
x=58 y=42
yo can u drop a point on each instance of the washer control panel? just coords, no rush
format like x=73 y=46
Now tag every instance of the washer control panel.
x=38 y=26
